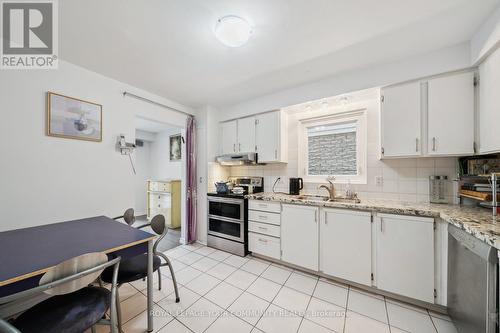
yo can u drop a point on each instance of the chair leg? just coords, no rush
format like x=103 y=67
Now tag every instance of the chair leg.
x=93 y=330
x=118 y=310
x=159 y=279
x=177 y=298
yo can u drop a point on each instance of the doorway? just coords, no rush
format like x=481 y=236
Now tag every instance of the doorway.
x=159 y=179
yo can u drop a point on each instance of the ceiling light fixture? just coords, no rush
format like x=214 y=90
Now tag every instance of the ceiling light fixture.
x=233 y=31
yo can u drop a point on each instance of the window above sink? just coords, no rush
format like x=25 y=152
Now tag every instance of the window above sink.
x=333 y=145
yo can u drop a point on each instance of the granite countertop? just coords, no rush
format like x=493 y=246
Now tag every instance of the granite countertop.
x=478 y=222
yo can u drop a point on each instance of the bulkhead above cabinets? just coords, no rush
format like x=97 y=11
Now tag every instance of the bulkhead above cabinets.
x=429 y=117
x=263 y=133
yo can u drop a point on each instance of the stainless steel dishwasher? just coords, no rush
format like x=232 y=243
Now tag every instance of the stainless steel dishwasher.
x=472 y=283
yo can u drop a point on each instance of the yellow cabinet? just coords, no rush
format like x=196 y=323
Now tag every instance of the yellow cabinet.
x=164 y=197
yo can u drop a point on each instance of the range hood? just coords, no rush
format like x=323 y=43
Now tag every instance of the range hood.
x=237 y=159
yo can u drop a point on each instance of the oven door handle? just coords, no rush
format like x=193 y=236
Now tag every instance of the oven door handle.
x=225 y=219
x=226 y=200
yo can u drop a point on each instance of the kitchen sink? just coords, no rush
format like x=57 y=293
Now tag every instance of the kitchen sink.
x=313 y=197
x=321 y=198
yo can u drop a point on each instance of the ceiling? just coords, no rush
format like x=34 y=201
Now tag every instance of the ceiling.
x=152 y=126
x=168 y=47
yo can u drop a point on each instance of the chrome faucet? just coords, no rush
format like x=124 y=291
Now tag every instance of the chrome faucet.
x=330 y=189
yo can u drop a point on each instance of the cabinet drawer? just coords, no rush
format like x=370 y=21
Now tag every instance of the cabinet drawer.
x=266 y=245
x=266 y=206
x=264 y=217
x=262 y=228
x=160 y=187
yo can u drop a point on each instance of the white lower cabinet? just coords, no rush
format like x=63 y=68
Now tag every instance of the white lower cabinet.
x=393 y=253
x=265 y=245
x=264 y=228
x=346 y=245
x=299 y=236
x=405 y=256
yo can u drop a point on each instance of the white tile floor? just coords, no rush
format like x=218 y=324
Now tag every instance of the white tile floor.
x=224 y=293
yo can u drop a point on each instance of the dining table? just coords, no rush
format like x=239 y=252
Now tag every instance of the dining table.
x=27 y=253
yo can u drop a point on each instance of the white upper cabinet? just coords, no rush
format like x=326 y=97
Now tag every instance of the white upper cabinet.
x=451 y=115
x=229 y=137
x=299 y=235
x=246 y=135
x=400 y=120
x=346 y=245
x=429 y=117
x=405 y=256
x=271 y=138
x=489 y=104
x=264 y=134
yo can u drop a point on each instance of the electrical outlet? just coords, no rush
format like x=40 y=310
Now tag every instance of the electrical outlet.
x=379 y=180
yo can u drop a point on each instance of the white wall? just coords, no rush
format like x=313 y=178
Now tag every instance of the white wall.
x=45 y=179
x=486 y=39
x=207 y=170
x=152 y=162
x=444 y=60
x=143 y=168
x=162 y=167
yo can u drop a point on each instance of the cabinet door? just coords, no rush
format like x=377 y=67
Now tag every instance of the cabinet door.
x=299 y=236
x=400 y=123
x=405 y=256
x=346 y=245
x=268 y=137
x=246 y=135
x=229 y=137
x=489 y=104
x=451 y=115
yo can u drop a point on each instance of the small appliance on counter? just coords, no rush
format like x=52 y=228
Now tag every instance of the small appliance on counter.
x=437 y=189
x=228 y=214
x=296 y=184
x=222 y=187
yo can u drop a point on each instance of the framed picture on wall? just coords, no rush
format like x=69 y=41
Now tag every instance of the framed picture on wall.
x=73 y=118
x=175 y=147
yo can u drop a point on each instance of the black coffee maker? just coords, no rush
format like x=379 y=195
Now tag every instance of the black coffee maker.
x=296 y=184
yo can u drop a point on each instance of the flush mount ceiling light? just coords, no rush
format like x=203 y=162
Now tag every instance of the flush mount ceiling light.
x=233 y=31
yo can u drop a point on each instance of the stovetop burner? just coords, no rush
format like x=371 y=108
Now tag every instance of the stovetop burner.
x=249 y=185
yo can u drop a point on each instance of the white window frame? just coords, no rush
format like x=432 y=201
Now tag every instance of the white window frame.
x=359 y=116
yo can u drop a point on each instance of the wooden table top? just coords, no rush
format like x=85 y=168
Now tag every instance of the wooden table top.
x=28 y=252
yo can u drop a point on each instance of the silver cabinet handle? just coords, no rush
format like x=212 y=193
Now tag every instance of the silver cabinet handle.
x=234 y=147
x=276 y=154
x=262 y=228
x=381 y=225
x=416 y=144
x=239 y=147
x=262 y=217
x=434 y=144
x=262 y=240
x=263 y=205
x=326 y=220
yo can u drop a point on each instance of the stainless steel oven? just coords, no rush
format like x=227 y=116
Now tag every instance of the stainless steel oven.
x=227 y=227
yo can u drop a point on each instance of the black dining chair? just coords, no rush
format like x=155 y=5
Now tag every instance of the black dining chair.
x=136 y=268
x=128 y=216
x=5 y=327
x=74 y=305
